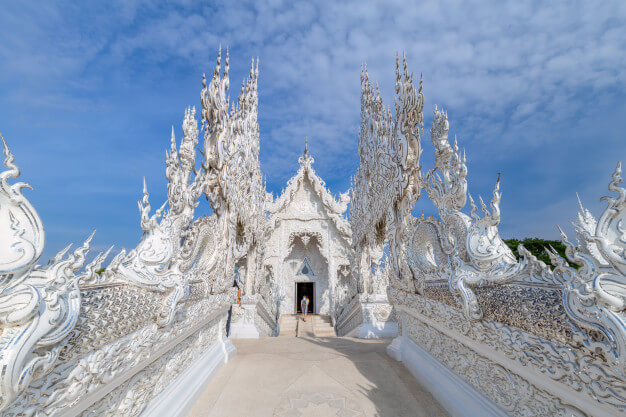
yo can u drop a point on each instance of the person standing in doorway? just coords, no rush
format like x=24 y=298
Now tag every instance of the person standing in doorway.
x=304 y=305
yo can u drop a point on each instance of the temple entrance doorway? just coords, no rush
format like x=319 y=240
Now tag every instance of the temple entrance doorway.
x=308 y=289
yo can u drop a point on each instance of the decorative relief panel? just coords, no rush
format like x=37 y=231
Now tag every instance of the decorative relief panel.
x=130 y=398
x=516 y=395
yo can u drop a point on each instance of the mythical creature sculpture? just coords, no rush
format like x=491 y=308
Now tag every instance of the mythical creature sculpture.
x=595 y=294
x=388 y=170
x=180 y=264
x=459 y=260
x=39 y=306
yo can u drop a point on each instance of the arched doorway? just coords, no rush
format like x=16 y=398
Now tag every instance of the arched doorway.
x=306 y=273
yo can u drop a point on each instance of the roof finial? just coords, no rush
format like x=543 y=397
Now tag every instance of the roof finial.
x=306 y=147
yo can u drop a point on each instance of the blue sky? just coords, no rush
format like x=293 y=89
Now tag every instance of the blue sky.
x=89 y=93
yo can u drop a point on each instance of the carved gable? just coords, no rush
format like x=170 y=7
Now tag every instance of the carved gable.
x=305 y=204
x=307 y=198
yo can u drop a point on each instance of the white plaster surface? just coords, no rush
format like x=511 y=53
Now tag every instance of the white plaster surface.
x=378 y=330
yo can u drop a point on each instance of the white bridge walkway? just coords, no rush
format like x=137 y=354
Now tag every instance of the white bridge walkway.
x=306 y=376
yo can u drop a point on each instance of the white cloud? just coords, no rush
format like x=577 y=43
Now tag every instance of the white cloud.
x=519 y=79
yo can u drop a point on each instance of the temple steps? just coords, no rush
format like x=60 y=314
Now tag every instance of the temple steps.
x=292 y=325
x=322 y=326
x=305 y=328
x=288 y=325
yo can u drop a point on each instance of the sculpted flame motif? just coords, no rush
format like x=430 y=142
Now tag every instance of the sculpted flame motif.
x=25 y=236
x=177 y=267
x=388 y=170
x=235 y=184
x=465 y=257
x=38 y=306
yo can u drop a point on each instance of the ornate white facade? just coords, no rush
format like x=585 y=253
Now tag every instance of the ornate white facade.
x=488 y=335
x=309 y=239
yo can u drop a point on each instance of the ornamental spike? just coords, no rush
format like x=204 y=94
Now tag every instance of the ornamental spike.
x=226 y=64
x=483 y=206
x=616 y=181
x=216 y=70
x=78 y=257
x=13 y=171
x=57 y=258
x=145 y=191
x=580 y=204
x=474 y=209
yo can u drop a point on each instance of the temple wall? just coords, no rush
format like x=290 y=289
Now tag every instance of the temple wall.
x=304 y=229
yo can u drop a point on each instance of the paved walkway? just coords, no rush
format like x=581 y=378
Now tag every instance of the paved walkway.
x=299 y=377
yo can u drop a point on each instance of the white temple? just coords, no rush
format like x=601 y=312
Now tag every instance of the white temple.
x=485 y=333
x=309 y=241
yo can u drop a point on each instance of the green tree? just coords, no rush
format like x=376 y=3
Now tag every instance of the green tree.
x=537 y=247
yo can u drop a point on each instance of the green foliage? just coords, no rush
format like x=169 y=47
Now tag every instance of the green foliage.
x=101 y=270
x=536 y=247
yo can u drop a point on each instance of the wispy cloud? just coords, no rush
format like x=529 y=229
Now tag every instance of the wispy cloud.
x=534 y=90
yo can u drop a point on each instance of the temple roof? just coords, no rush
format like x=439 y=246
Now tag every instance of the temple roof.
x=334 y=207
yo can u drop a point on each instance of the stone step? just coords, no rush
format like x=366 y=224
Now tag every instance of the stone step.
x=293 y=325
x=323 y=327
x=305 y=328
x=325 y=333
x=288 y=324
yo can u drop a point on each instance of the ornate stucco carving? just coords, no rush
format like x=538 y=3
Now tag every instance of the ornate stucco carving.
x=334 y=207
x=39 y=306
x=556 y=321
x=306 y=223
x=67 y=333
x=515 y=394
